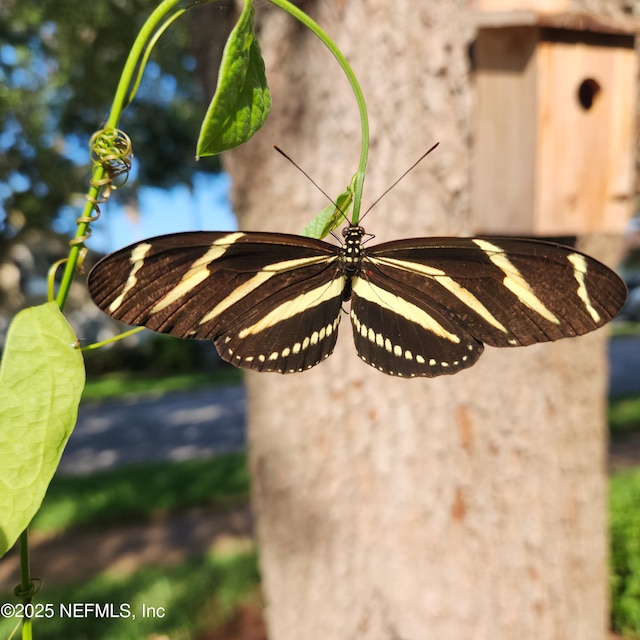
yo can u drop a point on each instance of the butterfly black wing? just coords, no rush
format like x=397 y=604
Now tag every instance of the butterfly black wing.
x=269 y=301
x=420 y=307
x=424 y=306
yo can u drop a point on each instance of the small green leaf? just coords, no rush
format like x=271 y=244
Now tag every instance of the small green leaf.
x=242 y=100
x=330 y=217
x=41 y=380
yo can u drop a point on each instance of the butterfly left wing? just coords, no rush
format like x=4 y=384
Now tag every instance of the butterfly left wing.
x=270 y=302
x=440 y=298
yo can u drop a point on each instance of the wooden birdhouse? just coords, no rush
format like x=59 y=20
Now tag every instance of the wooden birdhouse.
x=554 y=134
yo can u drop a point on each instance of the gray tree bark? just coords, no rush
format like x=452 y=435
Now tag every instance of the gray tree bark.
x=470 y=506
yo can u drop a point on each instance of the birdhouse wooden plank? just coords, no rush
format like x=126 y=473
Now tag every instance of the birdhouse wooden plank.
x=540 y=6
x=554 y=134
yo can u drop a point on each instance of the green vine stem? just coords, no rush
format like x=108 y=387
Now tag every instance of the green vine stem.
x=155 y=25
x=121 y=336
x=355 y=85
x=26 y=588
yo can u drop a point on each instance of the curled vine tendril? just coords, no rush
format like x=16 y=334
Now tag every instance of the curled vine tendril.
x=30 y=591
x=111 y=149
x=51 y=278
x=111 y=156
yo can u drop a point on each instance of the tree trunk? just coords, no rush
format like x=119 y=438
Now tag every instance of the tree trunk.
x=470 y=506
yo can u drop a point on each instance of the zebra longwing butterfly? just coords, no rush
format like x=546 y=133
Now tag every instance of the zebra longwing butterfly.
x=419 y=307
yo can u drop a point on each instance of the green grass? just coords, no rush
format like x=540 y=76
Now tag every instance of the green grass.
x=622 y=328
x=127 y=384
x=624 y=415
x=197 y=595
x=624 y=526
x=135 y=493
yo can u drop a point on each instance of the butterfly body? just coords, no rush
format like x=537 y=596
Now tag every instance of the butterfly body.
x=419 y=307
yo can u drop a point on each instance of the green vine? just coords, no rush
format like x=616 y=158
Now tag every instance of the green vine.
x=107 y=146
x=355 y=86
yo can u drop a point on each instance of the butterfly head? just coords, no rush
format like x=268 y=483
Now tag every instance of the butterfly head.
x=353 y=232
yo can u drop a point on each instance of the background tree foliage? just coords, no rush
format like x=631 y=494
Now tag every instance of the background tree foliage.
x=59 y=65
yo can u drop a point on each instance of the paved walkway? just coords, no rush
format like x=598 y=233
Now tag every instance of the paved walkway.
x=176 y=426
x=624 y=359
x=180 y=426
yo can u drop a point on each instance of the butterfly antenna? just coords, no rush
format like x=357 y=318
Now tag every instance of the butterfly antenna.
x=309 y=178
x=411 y=168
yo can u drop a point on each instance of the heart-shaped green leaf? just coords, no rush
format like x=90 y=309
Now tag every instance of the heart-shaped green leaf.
x=242 y=100
x=41 y=380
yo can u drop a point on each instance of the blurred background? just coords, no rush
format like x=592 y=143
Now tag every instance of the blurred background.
x=151 y=503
